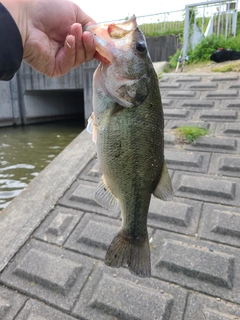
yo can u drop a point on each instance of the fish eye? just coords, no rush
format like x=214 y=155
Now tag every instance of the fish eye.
x=141 y=46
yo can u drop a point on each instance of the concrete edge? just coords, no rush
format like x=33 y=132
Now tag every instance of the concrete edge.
x=159 y=66
x=198 y=74
x=25 y=213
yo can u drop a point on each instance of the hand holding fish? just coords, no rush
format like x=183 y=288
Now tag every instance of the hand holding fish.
x=52 y=35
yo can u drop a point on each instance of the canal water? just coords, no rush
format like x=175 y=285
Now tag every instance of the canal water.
x=27 y=150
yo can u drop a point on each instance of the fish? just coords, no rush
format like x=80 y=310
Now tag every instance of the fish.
x=127 y=125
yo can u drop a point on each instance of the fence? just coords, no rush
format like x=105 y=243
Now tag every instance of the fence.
x=197 y=21
x=205 y=18
x=160 y=23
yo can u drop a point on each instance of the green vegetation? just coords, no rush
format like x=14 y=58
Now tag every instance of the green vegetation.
x=210 y=44
x=230 y=66
x=173 y=60
x=162 y=28
x=190 y=133
x=205 y=48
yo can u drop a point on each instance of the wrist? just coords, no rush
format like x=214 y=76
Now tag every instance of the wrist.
x=19 y=11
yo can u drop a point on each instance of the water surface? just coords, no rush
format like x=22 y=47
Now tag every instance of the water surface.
x=27 y=150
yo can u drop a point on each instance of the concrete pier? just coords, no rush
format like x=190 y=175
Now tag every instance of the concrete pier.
x=54 y=236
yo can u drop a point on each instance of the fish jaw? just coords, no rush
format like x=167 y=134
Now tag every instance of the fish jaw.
x=124 y=78
x=108 y=37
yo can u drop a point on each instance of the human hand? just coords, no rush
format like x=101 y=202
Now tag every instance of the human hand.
x=55 y=42
x=52 y=35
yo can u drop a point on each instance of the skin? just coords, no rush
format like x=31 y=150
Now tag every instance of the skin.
x=52 y=34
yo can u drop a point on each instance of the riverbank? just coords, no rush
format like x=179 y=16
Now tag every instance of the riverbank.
x=54 y=236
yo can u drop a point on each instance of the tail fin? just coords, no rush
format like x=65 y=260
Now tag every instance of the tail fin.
x=136 y=254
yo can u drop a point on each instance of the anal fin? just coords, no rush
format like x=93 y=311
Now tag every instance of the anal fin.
x=105 y=197
x=164 y=190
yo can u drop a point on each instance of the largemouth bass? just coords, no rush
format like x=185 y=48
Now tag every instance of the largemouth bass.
x=127 y=126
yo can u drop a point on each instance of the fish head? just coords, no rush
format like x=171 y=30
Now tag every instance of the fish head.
x=124 y=76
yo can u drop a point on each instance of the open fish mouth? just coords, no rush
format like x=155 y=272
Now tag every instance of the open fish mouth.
x=109 y=37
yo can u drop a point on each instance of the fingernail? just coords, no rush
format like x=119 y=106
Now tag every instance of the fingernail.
x=68 y=44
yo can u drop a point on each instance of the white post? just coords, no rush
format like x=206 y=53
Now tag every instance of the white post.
x=186 y=31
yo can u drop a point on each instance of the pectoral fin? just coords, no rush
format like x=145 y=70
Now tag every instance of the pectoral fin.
x=164 y=189
x=105 y=197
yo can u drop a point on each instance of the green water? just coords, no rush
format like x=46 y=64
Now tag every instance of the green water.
x=27 y=150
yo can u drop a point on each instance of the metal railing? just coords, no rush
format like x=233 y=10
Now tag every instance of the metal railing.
x=160 y=23
x=205 y=18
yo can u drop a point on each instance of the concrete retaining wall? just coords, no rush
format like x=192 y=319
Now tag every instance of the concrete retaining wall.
x=161 y=48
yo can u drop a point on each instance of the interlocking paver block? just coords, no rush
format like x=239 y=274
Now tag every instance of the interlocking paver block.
x=10 y=303
x=203 y=269
x=167 y=102
x=203 y=86
x=215 y=143
x=225 y=78
x=93 y=235
x=221 y=224
x=187 y=161
x=176 y=113
x=180 y=215
x=182 y=94
x=188 y=79
x=169 y=139
x=231 y=128
x=173 y=124
x=235 y=86
x=197 y=264
x=113 y=293
x=170 y=86
x=226 y=165
x=34 y=310
x=91 y=172
x=208 y=189
x=48 y=272
x=223 y=94
x=231 y=104
x=223 y=115
x=201 y=307
x=58 y=225
x=198 y=104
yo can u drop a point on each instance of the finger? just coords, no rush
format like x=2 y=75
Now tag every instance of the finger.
x=65 y=58
x=89 y=45
x=83 y=54
x=76 y=30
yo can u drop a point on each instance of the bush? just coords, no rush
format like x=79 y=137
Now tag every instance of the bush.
x=210 y=44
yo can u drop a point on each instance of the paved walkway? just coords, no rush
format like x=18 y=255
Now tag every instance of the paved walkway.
x=53 y=237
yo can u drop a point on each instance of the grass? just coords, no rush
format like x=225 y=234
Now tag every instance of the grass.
x=189 y=134
x=230 y=66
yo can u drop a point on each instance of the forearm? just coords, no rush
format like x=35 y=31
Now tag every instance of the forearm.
x=11 y=47
x=19 y=11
